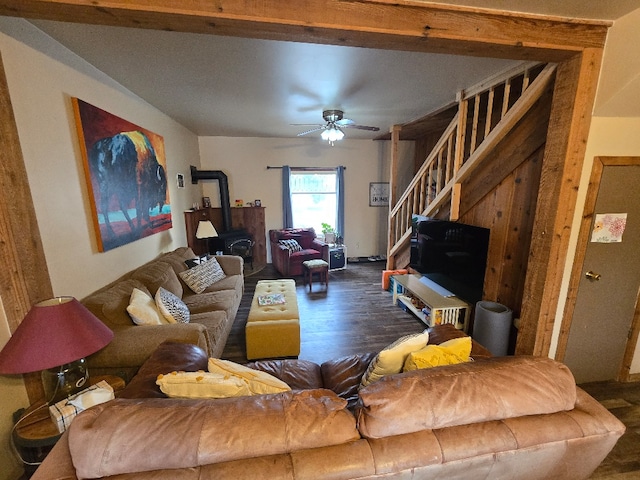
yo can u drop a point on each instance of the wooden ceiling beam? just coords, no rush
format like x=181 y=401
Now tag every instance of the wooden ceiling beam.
x=402 y=25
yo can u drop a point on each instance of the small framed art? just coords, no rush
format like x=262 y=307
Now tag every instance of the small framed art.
x=378 y=194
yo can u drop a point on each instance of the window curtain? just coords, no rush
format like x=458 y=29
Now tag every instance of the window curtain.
x=340 y=201
x=287 y=214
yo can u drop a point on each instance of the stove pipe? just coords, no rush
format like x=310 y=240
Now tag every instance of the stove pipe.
x=223 y=187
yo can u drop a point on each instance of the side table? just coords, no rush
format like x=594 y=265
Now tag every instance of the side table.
x=35 y=432
x=337 y=257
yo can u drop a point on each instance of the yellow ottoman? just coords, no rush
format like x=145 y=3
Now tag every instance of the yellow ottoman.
x=273 y=325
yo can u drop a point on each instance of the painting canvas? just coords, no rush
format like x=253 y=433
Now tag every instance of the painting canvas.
x=126 y=173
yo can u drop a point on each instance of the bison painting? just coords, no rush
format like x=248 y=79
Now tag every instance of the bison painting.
x=126 y=176
x=127 y=172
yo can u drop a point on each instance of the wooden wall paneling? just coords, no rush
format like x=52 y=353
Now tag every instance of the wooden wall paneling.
x=574 y=93
x=252 y=219
x=24 y=277
x=526 y=182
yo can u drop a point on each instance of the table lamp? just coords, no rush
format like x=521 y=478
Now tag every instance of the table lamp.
x=206 y=230
x=55 y=337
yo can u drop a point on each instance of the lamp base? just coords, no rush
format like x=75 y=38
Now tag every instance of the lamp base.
x=65 y=380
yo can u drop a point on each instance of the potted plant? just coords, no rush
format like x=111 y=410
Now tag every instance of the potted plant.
x=329 y=233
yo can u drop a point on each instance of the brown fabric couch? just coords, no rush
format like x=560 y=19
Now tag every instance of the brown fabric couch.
x=212 y=312
x=498 y=418
x=288 y=263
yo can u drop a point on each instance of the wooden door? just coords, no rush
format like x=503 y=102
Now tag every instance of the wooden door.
x=606 y=275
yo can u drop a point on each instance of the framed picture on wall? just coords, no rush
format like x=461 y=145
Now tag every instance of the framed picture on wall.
x=379 y=194
x=206 y=202
x=126 y=175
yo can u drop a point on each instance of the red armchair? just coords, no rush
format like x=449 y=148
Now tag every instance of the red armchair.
x=287 y=257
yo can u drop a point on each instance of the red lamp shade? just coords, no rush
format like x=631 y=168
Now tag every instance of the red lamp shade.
x=54 y=332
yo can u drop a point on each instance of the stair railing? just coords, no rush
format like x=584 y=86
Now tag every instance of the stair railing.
x=486 y=113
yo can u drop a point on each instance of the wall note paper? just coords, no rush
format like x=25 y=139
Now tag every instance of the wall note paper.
x=609 y=227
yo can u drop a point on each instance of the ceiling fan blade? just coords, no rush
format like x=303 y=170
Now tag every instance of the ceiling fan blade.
x=361 y=127
x=310 y=131
x=345 y=122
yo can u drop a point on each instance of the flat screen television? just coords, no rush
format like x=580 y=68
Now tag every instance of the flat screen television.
x=451 y=254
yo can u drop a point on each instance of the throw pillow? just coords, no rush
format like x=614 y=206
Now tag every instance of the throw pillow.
x=201 y=385
x=192 y=262
x=391 y=359
x=291 y=244
x=258 y=382
x=143 y=310
x=457 y=350
x=172 y=308
x=202 y=276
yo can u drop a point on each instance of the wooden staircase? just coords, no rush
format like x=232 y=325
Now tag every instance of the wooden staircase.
x=486 y=113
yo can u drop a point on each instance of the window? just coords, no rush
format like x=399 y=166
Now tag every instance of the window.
x=314 y=198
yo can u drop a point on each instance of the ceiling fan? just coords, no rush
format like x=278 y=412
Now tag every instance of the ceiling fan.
x=332 y=130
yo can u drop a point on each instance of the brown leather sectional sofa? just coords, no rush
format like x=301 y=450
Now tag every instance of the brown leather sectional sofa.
x=212 y=312
x=494 y=418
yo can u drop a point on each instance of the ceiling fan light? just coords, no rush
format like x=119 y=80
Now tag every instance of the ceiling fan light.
x=325 y=134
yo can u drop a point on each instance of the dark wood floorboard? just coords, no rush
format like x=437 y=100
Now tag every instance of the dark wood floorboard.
x=623 y=400
x=355 y=315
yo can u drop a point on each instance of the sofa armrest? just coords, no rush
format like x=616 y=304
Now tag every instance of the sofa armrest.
x=231 y=264
x=321 y=247
x=132 y=346
x=280 y=258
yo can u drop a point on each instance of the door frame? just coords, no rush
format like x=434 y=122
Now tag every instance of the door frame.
x=599 y=164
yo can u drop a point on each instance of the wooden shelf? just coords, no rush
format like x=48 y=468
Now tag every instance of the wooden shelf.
x=442 y=309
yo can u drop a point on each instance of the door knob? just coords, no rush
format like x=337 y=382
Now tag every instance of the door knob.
x=593 y=276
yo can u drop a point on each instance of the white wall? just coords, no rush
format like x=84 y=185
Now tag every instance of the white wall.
x=41 y=86
x=614 y=131
x=245 y=162
x=42 y=77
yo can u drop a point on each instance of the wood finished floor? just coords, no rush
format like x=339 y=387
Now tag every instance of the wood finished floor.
x=355 y=315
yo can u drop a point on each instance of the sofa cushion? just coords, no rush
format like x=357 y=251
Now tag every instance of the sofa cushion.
x=177 y=258
x=258 y=382
x=202 y=276
x=457 y=350
x=143 y=310
x=207 y=301
x=489 y=389
x=158 y=274
x=113 y=438
x=391 y=359
x=342 y=375
x=298 y=374
x=172 y=308
x=110 y=305
x=169 y=355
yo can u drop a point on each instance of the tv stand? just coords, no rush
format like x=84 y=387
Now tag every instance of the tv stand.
x=429 y=306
